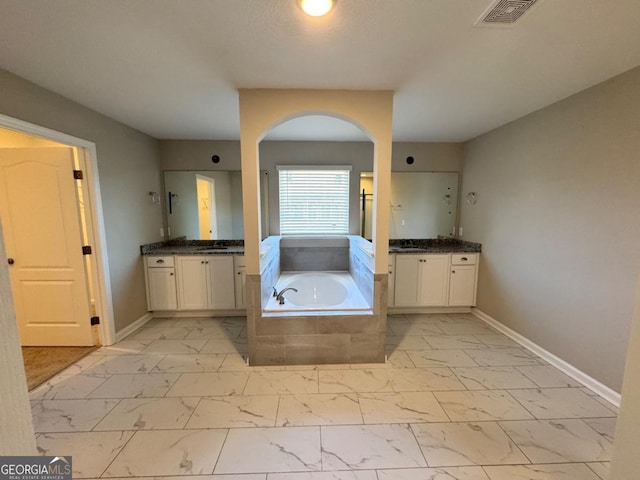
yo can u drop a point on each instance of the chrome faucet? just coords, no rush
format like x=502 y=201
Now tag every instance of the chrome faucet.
x=280 y=296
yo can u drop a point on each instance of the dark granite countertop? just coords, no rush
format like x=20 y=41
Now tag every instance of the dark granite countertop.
x=236 y=247
x=182 y=246
x=433 y=245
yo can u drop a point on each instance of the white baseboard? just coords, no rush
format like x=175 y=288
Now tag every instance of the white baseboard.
x=199 y=313
x=591 y=383
x=129 y=329
x=403 y=310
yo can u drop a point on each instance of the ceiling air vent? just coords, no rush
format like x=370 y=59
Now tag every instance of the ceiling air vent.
x=505 y=12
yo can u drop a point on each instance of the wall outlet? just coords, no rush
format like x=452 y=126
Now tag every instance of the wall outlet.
x=460 y=231
x=403 y=222
x=162 y=232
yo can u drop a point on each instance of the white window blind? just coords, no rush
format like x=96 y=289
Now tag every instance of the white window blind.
x=314 y=200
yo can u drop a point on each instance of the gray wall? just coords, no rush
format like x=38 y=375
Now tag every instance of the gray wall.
x=196 y=155
x=558 y=216
x=128 y=166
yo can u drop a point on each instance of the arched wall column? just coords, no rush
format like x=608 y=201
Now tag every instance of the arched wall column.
x=262 y=109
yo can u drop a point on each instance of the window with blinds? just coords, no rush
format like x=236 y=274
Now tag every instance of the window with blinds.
x=314 y=200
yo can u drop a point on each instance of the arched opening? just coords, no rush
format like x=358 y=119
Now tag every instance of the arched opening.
x=312 y=144
x=273 y=338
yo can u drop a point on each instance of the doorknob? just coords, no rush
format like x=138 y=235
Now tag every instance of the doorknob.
x=11 y=261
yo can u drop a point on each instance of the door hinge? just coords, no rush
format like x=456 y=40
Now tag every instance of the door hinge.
x=86 y=250
x=95 y=321
x=78 y=175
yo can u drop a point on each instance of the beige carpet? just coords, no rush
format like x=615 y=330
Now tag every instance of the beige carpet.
x=42 y=363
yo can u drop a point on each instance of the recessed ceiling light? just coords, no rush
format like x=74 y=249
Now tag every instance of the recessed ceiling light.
x=316 y=8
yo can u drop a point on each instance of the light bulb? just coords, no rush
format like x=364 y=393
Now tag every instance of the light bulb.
x=316 y=8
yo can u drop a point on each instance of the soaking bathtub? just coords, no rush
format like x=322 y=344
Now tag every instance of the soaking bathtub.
x=318 y=292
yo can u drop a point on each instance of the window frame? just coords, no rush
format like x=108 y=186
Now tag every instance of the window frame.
x=312 y=225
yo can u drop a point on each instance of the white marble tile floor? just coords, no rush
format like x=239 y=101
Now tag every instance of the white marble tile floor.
x=456 y=401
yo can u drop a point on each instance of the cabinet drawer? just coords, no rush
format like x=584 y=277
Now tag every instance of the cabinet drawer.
x=160 y=261
x=464 y=258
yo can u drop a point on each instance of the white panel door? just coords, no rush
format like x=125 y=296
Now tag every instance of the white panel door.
x=41 y=220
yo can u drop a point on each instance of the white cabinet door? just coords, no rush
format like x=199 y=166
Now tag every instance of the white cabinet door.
x=240 y=279
x=407 y=280
x=239 y=286
x=462 y=289
x=434 y=280
x=162 y=289
x=392 y=281
x=192 y=282
x=221 y=281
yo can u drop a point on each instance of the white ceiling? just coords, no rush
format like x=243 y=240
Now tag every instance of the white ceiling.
x=171 y=68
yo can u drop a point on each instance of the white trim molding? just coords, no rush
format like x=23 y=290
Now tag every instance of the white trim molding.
x=103 y=295
x=129 y=329
x=591 y=383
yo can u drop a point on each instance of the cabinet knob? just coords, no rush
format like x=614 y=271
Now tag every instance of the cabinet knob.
x=171 y=274
x=202 y=262
x=453 y=271
x=10 y=261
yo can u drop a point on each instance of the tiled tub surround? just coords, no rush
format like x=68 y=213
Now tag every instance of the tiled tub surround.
x=361 y=266
x=319 y=337
x=456 y=401
x=310 y=254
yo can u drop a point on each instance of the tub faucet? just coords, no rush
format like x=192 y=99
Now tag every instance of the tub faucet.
x=280 y=296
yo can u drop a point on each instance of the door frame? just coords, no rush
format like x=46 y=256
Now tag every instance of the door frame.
x=99 y=259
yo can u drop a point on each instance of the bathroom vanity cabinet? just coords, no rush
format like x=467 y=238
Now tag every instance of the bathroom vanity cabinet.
x=194 y=282
x=205 y=282
x=435 y=280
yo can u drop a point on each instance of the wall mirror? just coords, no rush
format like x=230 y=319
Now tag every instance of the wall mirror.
x=207 y=205
x=423 y=204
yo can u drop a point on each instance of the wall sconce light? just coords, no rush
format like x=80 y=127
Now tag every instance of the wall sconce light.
x=472 y=198
x=155 y=198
